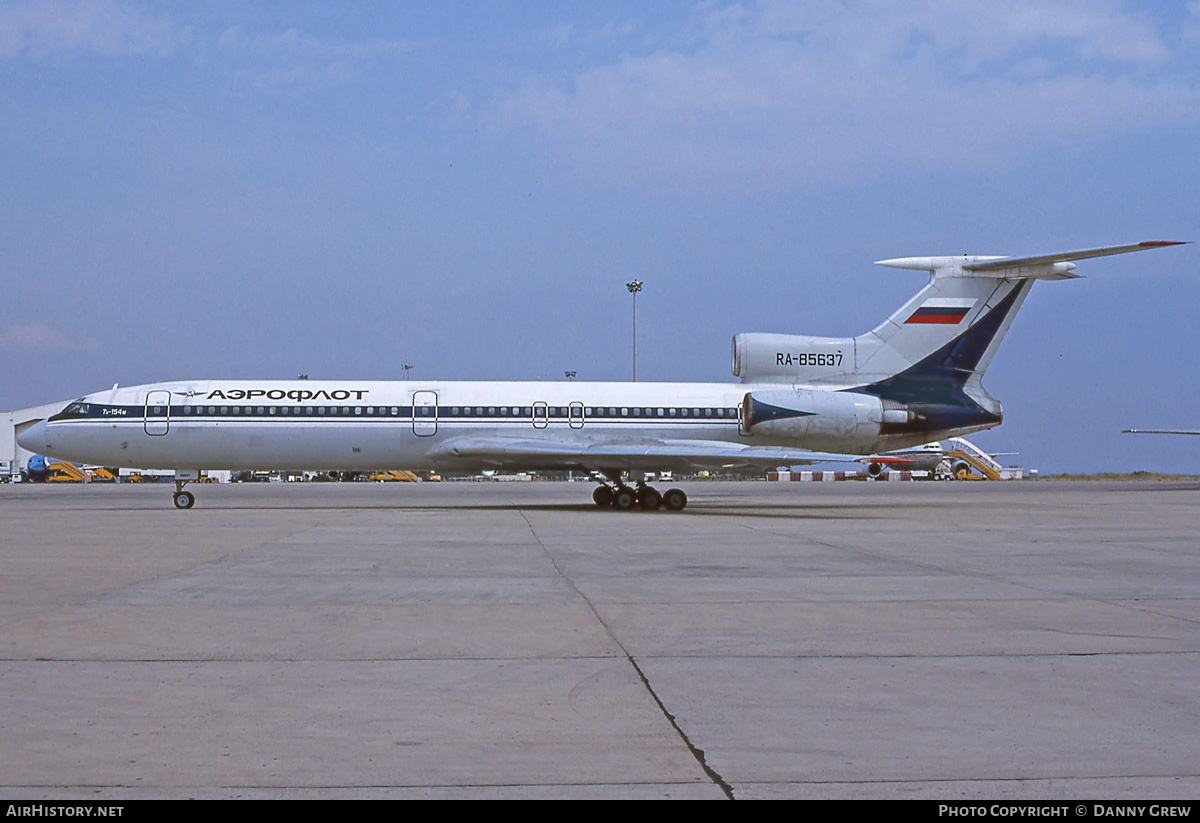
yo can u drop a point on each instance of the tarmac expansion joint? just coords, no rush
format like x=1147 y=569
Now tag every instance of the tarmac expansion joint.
x=697 y=753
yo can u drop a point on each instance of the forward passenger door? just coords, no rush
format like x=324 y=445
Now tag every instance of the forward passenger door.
x=424 y=413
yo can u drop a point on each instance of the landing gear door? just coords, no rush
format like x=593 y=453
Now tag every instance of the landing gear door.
x=157 y=418
x=425 y=413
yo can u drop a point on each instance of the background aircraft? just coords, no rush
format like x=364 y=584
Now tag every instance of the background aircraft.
x=1160 y=431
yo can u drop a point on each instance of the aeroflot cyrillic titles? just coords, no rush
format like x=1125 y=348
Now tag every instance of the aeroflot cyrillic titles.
x=914 y=378
x=293 y=394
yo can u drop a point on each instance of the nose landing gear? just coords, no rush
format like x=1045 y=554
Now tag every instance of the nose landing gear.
x=182 y=499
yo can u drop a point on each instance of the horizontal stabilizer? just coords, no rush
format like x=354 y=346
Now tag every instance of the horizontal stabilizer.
x=1043 y=266
x=1067 y=256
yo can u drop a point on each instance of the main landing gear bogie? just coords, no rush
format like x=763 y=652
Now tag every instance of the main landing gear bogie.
x=622 y=498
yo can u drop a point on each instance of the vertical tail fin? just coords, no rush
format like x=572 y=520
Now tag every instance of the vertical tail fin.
x=933 y=351
x=938 y=345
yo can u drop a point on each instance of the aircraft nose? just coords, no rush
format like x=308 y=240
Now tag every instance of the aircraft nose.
x=34 y=438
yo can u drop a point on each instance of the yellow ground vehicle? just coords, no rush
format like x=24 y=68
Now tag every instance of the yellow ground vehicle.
x=61 y=472
x=392 y=476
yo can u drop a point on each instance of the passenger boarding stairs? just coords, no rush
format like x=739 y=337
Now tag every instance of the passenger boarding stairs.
x=966 y=452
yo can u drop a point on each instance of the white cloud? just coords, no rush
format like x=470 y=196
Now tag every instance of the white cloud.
x=45 y=29
x=1191 y=27
x=39 y=337
x=783 y=91
x=293 y=62
x=293 y=43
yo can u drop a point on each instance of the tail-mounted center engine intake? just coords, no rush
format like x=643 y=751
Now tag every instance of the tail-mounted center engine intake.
x=791 y=358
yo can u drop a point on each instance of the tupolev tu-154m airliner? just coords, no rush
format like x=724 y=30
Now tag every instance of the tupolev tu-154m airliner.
x=800 y=400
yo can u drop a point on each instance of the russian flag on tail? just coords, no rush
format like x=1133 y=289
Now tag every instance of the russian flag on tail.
x=947 y=311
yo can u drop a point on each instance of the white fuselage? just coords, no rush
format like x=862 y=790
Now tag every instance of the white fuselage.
x=358 y=425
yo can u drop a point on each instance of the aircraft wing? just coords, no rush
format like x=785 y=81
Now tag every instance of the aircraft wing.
x=642 y=454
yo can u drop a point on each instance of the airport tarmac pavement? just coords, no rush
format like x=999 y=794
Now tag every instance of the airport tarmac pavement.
x=924 y=640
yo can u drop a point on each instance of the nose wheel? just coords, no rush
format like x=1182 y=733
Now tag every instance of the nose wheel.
x=182 y=499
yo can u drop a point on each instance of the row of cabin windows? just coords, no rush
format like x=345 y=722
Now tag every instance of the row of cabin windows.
x=377 y=411
x=462 y=411
x=589 y=411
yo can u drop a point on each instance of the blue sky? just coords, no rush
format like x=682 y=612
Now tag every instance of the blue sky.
x=193 y=190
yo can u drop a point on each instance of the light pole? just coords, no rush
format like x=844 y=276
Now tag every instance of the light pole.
x=634 y=287
x=570 y=375
x=407 y=370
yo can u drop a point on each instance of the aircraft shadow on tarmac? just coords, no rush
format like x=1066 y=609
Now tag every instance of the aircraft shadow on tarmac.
x=790 y=510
